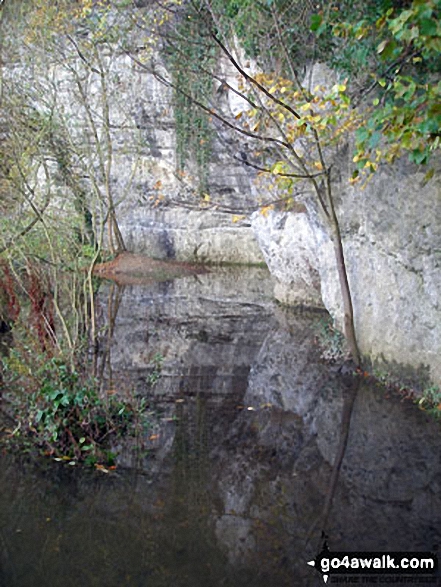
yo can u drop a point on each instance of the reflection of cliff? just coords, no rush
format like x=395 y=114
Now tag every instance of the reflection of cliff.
x=388 y=492
x=268 y=468
x=226 y=495
x=207 y=328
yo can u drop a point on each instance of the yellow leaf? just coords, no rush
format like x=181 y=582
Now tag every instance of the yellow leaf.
x=277 y=168
x=237 y=218
x=238 y=115
x=101 y=468
x=428 y=176
x=302 y=129
x=266 y=209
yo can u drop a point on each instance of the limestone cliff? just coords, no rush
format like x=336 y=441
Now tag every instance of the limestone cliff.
x=392 y=242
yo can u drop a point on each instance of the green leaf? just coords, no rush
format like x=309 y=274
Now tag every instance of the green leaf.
x=428 y=27
x=430 y=126
x=362 y=134
x=374 y=140
x=419 y=157
x=381 y=47
x=278 y=167
x=386 y=49
x=316 y=21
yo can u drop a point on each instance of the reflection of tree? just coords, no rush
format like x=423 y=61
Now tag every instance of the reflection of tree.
x=189 y=503
x=102 y=363
x=351 y=388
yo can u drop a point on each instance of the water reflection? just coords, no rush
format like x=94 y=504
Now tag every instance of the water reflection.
x=246 y=427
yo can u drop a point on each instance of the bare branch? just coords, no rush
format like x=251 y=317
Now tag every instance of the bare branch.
x=253 y=81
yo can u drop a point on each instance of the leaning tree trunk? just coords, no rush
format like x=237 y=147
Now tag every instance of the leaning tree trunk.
x=348 y=310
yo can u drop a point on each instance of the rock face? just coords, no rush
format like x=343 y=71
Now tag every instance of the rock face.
x=288 y=243
x=392 y=242
x=190 y=235
x=161 y=211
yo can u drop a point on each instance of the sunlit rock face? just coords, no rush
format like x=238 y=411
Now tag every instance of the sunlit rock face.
x=392 y=241
x=288 y=245
x=190 y=235
x=163 y=209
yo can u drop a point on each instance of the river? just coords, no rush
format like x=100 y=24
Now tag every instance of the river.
x=228 y=484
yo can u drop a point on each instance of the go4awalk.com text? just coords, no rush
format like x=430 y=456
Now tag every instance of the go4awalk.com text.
x=376 y=567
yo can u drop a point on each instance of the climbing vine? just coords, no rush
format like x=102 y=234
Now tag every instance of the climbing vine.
x=194 y=133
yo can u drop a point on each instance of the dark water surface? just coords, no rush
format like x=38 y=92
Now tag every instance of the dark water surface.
x=227 y=486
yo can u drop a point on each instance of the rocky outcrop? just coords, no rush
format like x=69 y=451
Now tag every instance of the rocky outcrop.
x=392 y=241
x=162 y=211
x=190 y=235
x=288 y=244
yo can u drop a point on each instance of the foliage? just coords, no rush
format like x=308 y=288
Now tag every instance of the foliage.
x=156 y=368
x=195 y=81
x=47 y=392
x=330 y=341
x=402 y=67
x=326 y=111
x=61 y=413
x=386 y=50
x=254 y=25
x=431 y=401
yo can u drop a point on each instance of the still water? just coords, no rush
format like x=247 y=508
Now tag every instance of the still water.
x=229 y=483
